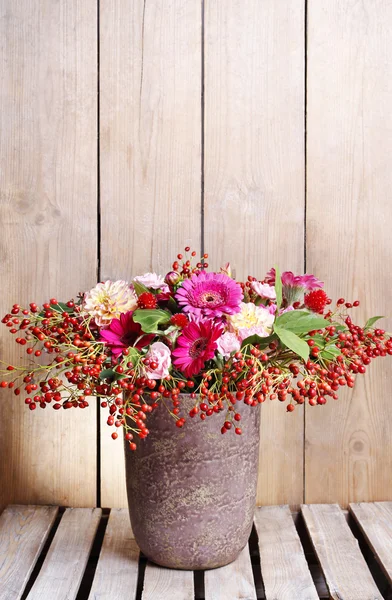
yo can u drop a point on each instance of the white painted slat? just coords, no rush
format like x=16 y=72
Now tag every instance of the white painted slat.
x=232 y=581
x=345 y=569
x=64 y=565
x=167 y=584
x=23 y=532
x=375 y=521
x=283 y=564
x=118 y=565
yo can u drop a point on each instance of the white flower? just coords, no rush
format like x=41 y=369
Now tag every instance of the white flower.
x=251 y=320
x=228 y=343
x=264 y=290
x=158 y=353
x=152 y=281
x=108 y=300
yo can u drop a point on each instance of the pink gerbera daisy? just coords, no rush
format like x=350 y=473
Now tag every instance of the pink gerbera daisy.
x=196 y=345
x=123 y=333
x=210 y=295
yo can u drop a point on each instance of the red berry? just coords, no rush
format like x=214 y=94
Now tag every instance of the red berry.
x=147 y=300
x=238 y=430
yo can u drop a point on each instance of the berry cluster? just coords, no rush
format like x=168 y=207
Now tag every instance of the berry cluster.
x=129 y=361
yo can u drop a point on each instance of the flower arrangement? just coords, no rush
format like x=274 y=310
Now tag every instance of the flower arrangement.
x=194 y=332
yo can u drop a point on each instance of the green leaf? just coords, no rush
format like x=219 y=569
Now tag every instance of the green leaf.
x=61 y=307
x=293 y=342
x=278 y=288
x=139 y=288
x=370 y=322
x=110 y=374
x=330 y=352
x=300 y=321
x=172 y=305
x=149 y=319
x=258 y=340
x=133 y=355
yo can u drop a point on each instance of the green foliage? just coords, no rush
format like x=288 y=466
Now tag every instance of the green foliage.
x=370 y=322
x=293 y=342
x=300 y=321
x=139 y=288
x=278 y=288
x=111 y=375
x=149 y=319
x=261 y=342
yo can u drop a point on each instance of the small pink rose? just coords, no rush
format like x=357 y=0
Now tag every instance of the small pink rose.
x=228 y=343
x=158 y=353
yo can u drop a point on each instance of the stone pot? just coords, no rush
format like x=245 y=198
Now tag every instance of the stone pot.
x=192 y=491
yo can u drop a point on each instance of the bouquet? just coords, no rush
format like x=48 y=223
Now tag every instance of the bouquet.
x=138 y=346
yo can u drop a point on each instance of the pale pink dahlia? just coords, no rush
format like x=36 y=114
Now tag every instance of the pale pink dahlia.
x=196 y=344
x=210 y=295
x=108 y=300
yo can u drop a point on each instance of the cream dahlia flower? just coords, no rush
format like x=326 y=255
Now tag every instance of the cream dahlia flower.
x=108 y=300
x=251 y=320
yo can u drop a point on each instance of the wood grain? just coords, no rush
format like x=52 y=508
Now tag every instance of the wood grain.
x=232 y=581
x=118 y=565
x=167 y=584
x=150 y=149
x=23 y=532
x=345 y=569
x=375 y=521
x=254 y=177
x=64 y=565
x=283 y=564
x=48 y=196
x=349 y=219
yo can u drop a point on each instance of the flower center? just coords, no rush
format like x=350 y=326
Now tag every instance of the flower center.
x=211 y=298
x=197 y=347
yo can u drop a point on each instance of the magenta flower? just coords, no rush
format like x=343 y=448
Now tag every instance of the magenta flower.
x=210 y=295
x=294 y=285
x=195 y=346
x=123 y=333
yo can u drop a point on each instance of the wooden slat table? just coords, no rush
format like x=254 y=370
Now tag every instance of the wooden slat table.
x=47 y=553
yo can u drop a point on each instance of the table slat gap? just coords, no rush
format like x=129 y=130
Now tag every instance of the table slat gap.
x=23 y=533
x=344 y=567
x=65 y=563
x=284 y=568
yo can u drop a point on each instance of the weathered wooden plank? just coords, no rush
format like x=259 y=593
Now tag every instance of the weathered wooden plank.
x=375 y=521
x=118 y=565
x=167 y=584
x=345 y=569
x=254 y=178
x=48 y=231
x=67 y=557
x=150 y=153
x=283 y=564
x=233 y=581
x=348 y=233
x=23 y=532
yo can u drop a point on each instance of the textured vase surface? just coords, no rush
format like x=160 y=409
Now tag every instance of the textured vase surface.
x=192 y=491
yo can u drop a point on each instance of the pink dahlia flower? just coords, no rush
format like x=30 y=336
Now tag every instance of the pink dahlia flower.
x=195 y=346
x=123 y=333
x=210 y=295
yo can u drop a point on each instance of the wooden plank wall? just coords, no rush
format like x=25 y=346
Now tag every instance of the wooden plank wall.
x=243 y=127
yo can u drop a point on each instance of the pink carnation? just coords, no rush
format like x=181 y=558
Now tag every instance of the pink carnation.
x=158 y=353
x=228 y=343
x=210 y=295
x=264 y=290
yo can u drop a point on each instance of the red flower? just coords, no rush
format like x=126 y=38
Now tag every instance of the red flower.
x=179 y=320
x=316 y=301
x=123 y=333
x=147 y=300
